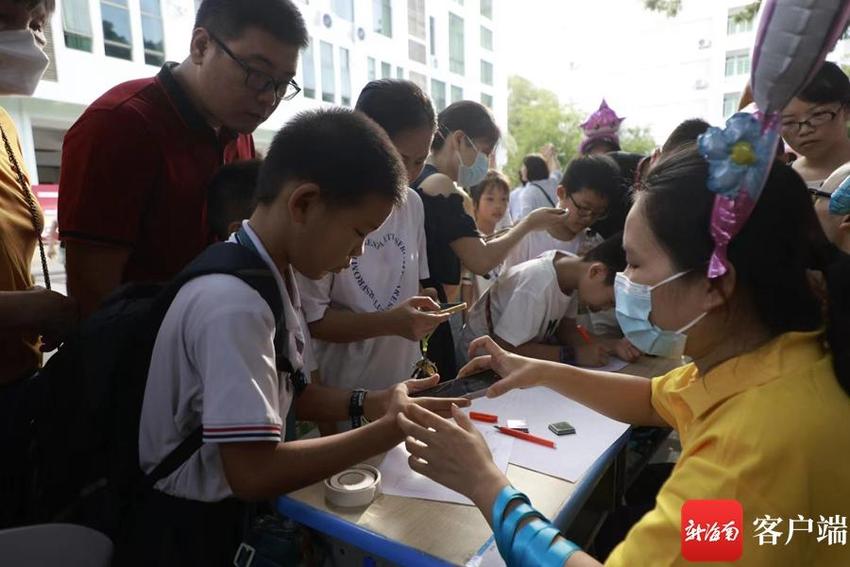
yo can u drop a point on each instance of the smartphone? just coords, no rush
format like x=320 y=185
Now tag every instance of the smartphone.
x=450 y=308
x=473 y=386
x=562 y=428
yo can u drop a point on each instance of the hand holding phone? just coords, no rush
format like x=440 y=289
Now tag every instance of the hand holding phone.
x=472 y=386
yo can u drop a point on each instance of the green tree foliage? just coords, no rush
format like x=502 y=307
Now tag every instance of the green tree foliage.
x=536 y=117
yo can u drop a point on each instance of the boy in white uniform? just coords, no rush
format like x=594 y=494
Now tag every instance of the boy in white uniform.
x=585 y=191
x=367 y=321
x=330 y=178
x=531 y=309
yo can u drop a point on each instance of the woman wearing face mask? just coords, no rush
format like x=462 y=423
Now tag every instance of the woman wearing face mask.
x=26 y=312
x=466 y=136
x=814 y=124
x=762 y=411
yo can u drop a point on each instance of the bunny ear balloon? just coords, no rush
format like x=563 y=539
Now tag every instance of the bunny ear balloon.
x=793 y=39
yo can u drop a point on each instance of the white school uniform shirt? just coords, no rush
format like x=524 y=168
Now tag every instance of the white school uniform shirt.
x=534 y=196
x=514 y=200
x=213 y=365
x=394 y=260
x=536 y=243
x=526 y=305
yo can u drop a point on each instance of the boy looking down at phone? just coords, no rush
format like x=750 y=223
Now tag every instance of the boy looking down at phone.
x=531 y=309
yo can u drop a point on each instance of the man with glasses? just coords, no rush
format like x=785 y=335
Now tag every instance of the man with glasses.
x=136 y=165
x=814 y=124
x=589 y=184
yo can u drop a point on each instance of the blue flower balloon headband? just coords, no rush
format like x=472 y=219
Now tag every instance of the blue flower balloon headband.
x=793 y=39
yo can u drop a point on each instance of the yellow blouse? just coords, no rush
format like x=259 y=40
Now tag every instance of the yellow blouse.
x=770 y=429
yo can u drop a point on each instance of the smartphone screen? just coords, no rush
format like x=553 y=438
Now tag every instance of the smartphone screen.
x=472 y=386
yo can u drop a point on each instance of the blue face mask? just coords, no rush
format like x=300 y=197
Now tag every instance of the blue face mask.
x=471 y=175
x=634 y=304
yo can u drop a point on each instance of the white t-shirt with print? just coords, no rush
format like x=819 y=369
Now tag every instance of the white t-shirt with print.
x=526 y=304
x=393 y=261
x=213 y=365
x=536 y=243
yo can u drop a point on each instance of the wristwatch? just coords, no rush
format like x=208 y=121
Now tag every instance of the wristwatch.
x=355 y=408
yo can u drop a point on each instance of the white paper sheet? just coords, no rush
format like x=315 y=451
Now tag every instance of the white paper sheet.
x=574 y=454
x=614 y=365
x=398 y=479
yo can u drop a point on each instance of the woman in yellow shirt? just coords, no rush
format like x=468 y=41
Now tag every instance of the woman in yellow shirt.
x=763 y=410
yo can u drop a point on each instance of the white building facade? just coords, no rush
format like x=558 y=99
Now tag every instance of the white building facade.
x=448 y=47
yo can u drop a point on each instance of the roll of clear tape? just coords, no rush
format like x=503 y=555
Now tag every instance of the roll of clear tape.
x=354 y=487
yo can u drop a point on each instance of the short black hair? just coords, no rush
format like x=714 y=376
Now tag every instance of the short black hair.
x=342 y=151
x=397 y=106
x=829 y=84
x=535 y=167
x=621 y=203
x=230 y=195
x=474 y=119
x=494 y=178
x=609 y=252
x=685 y=133
x=598 y=173
x=228 y=19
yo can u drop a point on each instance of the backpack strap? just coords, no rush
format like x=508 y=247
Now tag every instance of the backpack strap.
x=221 y=258
x=545 y=194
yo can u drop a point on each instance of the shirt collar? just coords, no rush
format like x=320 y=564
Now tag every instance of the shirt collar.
x=291 y=302
x=187 y=110
x=784 y=355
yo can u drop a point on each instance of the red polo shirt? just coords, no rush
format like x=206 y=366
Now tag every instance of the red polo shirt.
x=135 y=171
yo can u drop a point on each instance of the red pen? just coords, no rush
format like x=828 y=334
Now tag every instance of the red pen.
x=584 y=334
x=485 y=417
x=525 y=436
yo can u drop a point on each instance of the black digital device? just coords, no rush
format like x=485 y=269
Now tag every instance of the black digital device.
x=472 y=386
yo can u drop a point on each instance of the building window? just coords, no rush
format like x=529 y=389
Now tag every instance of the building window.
x=487 y=100
x=344 y=77
x=308 y=70
x=487 y=8
x=76 y=23
x=328 y=80
x=432 y=25
x=152 y=32
x=730 y=104
x=117 y=39
x=399 y=73
x=457 y=94
x=735 y=26
x=382 y=17
x=420 y=80
x=486 y=38
x=344 y=9
x=386 y=70
x=737 y=63
x=416 y=18
x=456 y=45
x=371 y=69
x=438 y=94
x=416 y=51
x=486 y=72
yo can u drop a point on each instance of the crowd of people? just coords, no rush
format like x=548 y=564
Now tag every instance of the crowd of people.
x=372 y=221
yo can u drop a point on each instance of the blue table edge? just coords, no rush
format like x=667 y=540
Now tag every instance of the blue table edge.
x=391 y=550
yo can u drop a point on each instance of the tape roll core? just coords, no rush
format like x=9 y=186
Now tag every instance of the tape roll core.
x=354 y=487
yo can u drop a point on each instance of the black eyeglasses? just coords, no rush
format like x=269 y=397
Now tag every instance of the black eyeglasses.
x=817 y=119
x=259 y=81
x=588 y=212
x=817 y=194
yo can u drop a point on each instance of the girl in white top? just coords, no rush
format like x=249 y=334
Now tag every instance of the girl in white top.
x=367 y=321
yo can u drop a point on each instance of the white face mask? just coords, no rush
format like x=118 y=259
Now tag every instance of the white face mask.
x=22 y=62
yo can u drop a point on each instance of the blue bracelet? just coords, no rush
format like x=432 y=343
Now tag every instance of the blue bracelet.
x=558 y=553
x=508 y=530
x=535 y=552
x=507 y=495
x=522 y=540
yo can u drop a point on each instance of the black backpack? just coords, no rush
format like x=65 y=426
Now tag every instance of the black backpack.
x=87 y=400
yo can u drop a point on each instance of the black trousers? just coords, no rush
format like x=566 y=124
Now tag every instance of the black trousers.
x=169 y=531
